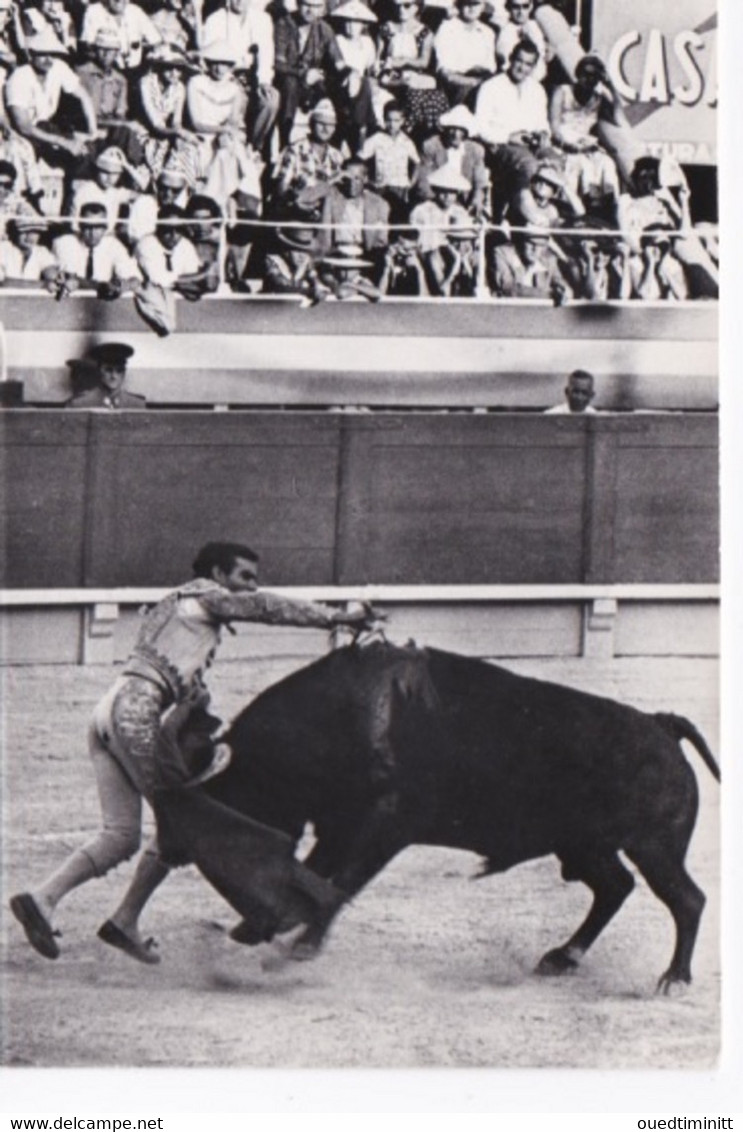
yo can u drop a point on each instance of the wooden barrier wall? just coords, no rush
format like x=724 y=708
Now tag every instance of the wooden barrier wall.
x=105 y=499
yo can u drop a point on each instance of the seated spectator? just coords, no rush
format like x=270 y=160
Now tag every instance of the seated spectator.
x=655 y=272
x=575 y=111
x=546 y=202
x=169 y=259
x=434 y=217
x=19 y=153
x=109 y=371
x=126 y=20
x=598 y=266
x=656 y=206
x=393 y=162
x=291 y=265
x=351 y=213
x=23 y=259
x=205 y=234
x=219 y=162
x=176 y=22
x=105 y=187
x=50 y=16
x=108 y=91
x=308 y=60
x=454 y=148
x=453 y=267
x=579 y=393
x=406 y=64
x=33 y=94
x=249 y=30
x=345 y=273
x=162 y=100
x=465 y=52
x=528 y=268
x=12 y=202
x=521 y=25
x=91 y=257
x=359 y=55
x=10 y=48
x=171 y=187
x=511 y=119
x=403 y=272
x=312 y=160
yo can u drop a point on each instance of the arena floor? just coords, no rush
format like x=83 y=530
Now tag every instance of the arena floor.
x=424 y=969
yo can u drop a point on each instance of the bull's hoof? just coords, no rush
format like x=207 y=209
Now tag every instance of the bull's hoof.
x=673 y=984
x=291 y=949
x=556 y=962
x=249 y=933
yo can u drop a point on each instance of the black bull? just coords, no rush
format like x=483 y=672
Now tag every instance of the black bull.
x=383 y=747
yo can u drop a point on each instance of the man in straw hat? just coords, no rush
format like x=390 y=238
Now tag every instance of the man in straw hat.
x=345 y=272
x=291 y=267
x=131 y=23
x=171 y=187
x=103 y=81
x=105 y=186
x=454 y=146
x=33 y=94
x=359 y=53
x=448 y=189
x=250 y=31
x=312 y=160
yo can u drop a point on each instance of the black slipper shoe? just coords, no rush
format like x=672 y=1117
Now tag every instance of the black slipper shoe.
x=35 y=924
x=113 y=935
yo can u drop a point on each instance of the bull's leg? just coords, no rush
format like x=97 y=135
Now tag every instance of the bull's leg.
x=669 y=880
x=611 y=883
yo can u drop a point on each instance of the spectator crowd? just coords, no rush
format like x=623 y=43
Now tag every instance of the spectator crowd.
x=330 y=149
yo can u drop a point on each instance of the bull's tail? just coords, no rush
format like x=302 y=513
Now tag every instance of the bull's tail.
x=681 y=728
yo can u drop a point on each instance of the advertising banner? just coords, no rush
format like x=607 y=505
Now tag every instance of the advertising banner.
x=661 y=55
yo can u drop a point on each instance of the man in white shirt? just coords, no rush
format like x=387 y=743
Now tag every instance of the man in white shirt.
x=170 y=188
x=22 y=258
x=249 y=30
x=32 y=98
x=169 y=259
x=521 y=25
x=131 y=23
x=511 y=118
x=465 y=51
x=91 y=257
x=579 y=392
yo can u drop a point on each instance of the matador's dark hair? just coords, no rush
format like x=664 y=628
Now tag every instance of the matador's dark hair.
x=221 y=554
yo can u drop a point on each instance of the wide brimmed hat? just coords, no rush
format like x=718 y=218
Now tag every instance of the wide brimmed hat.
x=111 y=353
x=29 y=223
x=300 y=239
x=165 y=55
x=109 y=38
x=220 y=51
x=354 y=10
x=173 y=174
x=448 y=178
x=549 y=174
x=45 y=42
x=459 y=117
x=324 y=110
x=347 y=255
x=111 y=160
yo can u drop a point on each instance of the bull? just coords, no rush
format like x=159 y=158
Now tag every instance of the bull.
x=382 y=747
